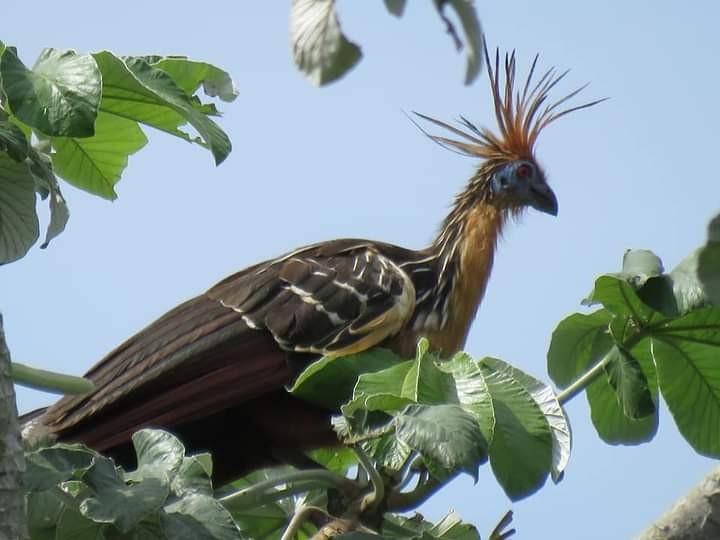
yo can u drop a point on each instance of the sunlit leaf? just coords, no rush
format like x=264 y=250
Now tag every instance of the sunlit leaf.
x=58 y=97
x=19 y=228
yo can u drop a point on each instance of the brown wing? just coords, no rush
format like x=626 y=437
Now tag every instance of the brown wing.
x=222 y=357
x=313 y=302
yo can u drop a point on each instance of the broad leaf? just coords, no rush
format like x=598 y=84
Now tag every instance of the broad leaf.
x=329 y=381
x=573 y=345
x=338 y=460
x=19 y=228
x=159 y=450
x=13 y=141
x=554 y=415
x=190 y=75
x=116 y=502
x=96 y=163
x=630 y=384
x=320 y=49
x=396 y=7
x=193 y=476
x=48 y=466
x=709 y=263
x=474 y=39
x=450 y=527
x=198 y=517
x=618 y=296
x=686 y=352
x=445 y=435
x=58 y=97
x=73 y=525
x=522 y=446
x=135 y=90
x=610 y=421
x=43 y=511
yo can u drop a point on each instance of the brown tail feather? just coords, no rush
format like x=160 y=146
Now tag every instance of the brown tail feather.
x=200 y=372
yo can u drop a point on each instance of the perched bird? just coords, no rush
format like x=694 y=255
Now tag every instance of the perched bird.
x=214 y=369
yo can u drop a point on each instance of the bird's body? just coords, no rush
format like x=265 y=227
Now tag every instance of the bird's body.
x=214 y=369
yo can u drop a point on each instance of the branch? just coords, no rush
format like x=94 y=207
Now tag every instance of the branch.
x=12 y=458
x=297 y=482
x=301 y=515
x=49 y=381
x=694 y=517
x=404 y=502
x=584 y=381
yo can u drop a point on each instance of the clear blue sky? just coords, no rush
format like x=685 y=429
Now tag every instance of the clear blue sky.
x=309 y=164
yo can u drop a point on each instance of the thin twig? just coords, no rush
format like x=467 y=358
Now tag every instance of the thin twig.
x=378 y=493
x=301 y=515
x=253 y=495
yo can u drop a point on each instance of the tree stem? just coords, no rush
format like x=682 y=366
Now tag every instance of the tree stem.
x=584 y=381
x=297 y=482
x=300 y=516
x=49 y=381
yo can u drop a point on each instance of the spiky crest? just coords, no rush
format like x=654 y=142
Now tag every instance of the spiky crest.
x=520 y=115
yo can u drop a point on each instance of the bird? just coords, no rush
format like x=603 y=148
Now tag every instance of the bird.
x=215 y=369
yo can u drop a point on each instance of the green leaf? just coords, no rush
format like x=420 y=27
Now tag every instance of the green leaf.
x=59 y=216
x=320 y=49
x=190 y=75
x=338 y=460
x=709 y=262
x=48 y=466
x=619 y=297
x=396 y=7
x=450 y=527
x=19 y=228
x=329 y=381
x=472 y=392
x=72 y=525
x=96 y=163
x=159 y=450
x=573 y=345
x=546 y=400
x=198 y=517
x=13 y=141
x=389 y=451
x=610 y=421
x=43 y=511
x=118 y=503
x=135 y=90
x=58 y=97
x=521 y=450
x=630 y=384
x=193 y=476
x=474 y=38
x=686 y=352
x=446 y=436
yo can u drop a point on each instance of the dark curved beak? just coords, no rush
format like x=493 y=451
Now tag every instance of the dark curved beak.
x=543 y=198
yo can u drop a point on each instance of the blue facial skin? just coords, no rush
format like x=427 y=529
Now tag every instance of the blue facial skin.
x=522 y=183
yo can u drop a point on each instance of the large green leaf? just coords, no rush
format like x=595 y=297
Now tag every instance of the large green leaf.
x=630 y=384
x=607 y=414
x=573 y=347
x=474 y=39
x=48 y=466
x=19 y=228
x=450 y=527
x=116 y=502
x=134 y=89
x=190 y=75
x=13 y=141
x=709 y=262
x=687 y=354
x=554 y=415
x=521 y=451
x=329 y=381
x=58 y=97
x=96 y=163
x=619 y=297
x=447 y=437
x=159 y=450
x=198 y=517
x=320 y=49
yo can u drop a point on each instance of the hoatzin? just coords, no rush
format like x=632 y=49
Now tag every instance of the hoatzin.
x=214 y=369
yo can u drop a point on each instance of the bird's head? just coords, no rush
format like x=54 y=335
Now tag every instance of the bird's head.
x=509 y=177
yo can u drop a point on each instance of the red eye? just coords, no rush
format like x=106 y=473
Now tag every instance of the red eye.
x=524 y=171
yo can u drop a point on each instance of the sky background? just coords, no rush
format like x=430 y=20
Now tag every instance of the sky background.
x=638 y=171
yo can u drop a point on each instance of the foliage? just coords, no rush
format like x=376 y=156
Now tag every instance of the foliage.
x=84 y=113
x=324 y=54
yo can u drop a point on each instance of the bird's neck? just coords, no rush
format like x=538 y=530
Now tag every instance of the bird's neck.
x=462 y=255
